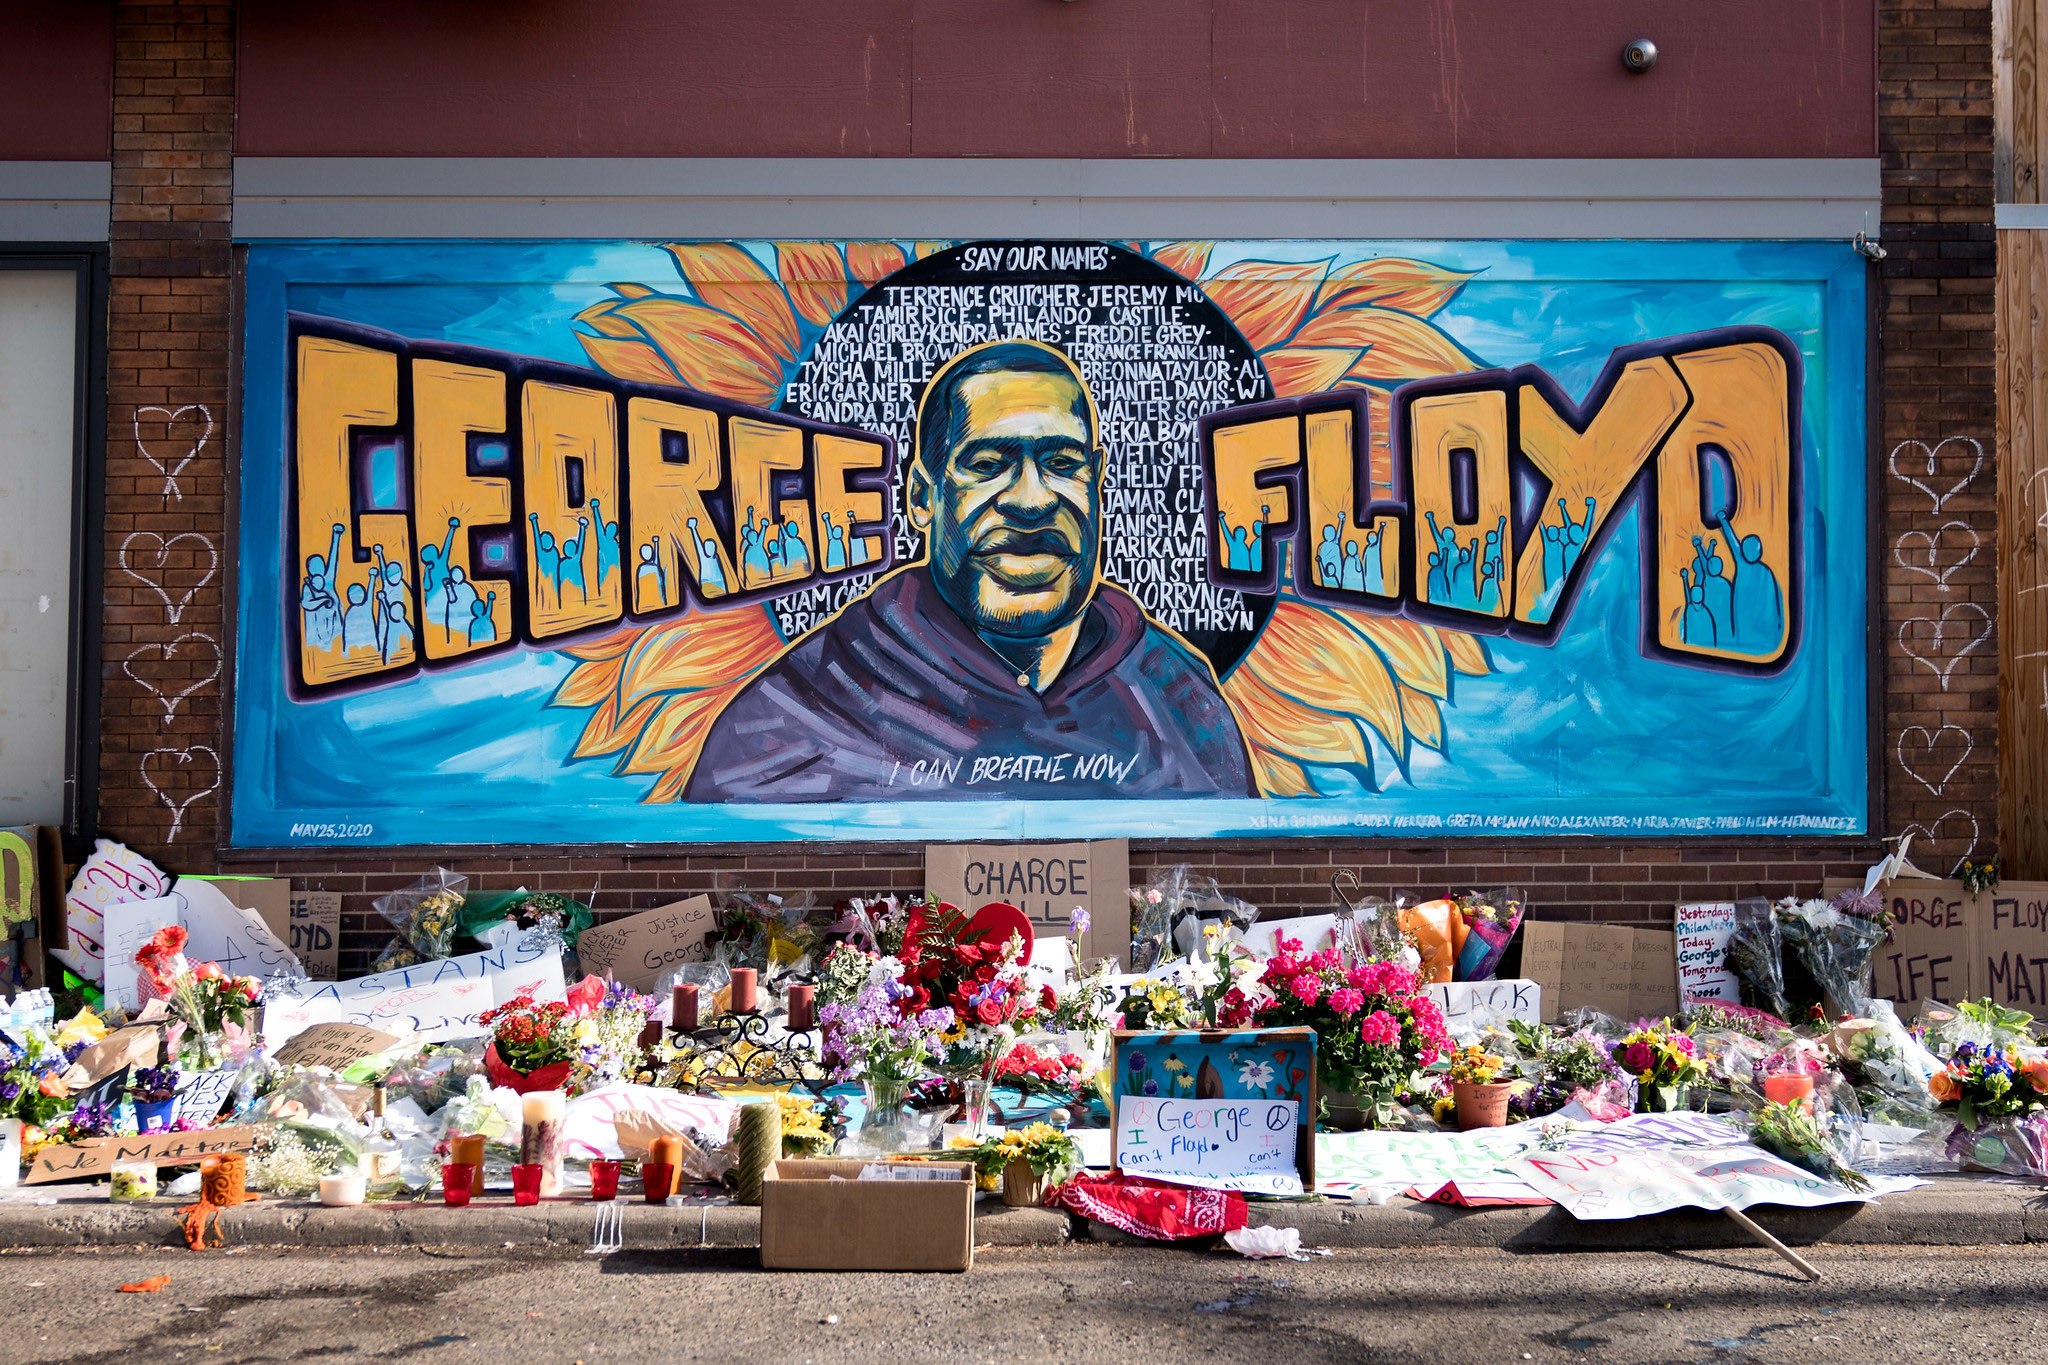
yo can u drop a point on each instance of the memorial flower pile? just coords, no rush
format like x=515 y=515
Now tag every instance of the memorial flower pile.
x=1559 y=1067
x=1377 y=1027
x=1063 y=1076
x=605 y=1022
x=875 y=1039
x=1659 y=1055
x=533 y=1044
x=1988 y=1082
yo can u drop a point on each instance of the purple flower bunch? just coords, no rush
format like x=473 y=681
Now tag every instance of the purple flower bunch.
x=92 y=1120
x=872 y=1036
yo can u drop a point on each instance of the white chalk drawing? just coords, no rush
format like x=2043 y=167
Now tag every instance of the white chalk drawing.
x=1928 y=466
x=1930 y=740
x=174 y=610
x=1930 y=563
x=1947 y=643
x=163 y=652
x=183 y=758
x=1934 y=838
x=171 y=416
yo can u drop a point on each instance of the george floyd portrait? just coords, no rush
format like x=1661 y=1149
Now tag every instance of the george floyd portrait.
x=1001 y=665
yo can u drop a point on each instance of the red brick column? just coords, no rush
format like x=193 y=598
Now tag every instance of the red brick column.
x=169 y=352
x=1935 y=485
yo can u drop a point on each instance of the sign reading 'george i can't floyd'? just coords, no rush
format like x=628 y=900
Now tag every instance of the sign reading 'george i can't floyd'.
x=1005 y=541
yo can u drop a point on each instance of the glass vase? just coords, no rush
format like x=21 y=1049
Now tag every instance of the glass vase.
x=883 y=1123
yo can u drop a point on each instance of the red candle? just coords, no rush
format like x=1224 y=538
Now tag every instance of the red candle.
x=744 y=982
x=803 y=1007
x=685 y=1016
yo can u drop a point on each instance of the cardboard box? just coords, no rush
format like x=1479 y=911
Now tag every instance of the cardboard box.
x=1949 y=944
x=809 y=1221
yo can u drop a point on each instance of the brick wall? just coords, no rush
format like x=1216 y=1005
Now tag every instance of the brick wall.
x=171 y=341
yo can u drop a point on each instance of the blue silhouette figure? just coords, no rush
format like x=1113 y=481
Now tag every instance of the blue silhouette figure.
x=1353 y=573
x=1720 y=592
x=1255 y=548
x=1696 y=627
x=1553 y=555
x=391 y=595
x=316 y=596
x=1442 y=563
x=359 y=621
x=607 y=544
x=1490 y=568
x=835 y=545
x=710 y=568
x=571 y=569
x=794 y=552
x=482 y=629
x=1575 y=532
x=547 y=560
x=434 y=562
x=1373 y=567
x=1329 y=559
x=754 y=552
x=397 y=630
x=459 y=601
x=650 y=567
x=1759 y=605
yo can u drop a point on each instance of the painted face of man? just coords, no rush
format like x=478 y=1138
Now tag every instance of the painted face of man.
x=1013 y=512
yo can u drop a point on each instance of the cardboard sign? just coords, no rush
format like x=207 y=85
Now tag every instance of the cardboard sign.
x=1947 y=944
x=1628 y=973
x=1703 y=930
x=1595 y=1185
x=1481 y=1002
x=640 y=949
x=435 y=1000
x=97 y=1156
x=128 y=926
x=114 y=873
x=334 y=1046
x=1476 y=1162
x=316 y=933
x=130 y=1047
x=1246 y=1145
x=268 y=898
x=225 y=933
x=202 y=1093
x=1046 y=882
x=1225 y=1090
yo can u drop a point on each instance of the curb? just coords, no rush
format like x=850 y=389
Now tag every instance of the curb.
x=1949 y=1211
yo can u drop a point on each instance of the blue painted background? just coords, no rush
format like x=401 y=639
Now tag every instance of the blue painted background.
x=1583 y=736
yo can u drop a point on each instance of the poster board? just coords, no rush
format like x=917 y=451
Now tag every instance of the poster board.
x=1601 y=1186
x=98 y=1156
x=435 y=1000
x=1949 y=944
x=1046 y=882
x=1703 y=929
x=1264 y=1071
x=1512 y=997
x=316 y=933
x=1628 y=973
x=640 y=949
x=111 y=875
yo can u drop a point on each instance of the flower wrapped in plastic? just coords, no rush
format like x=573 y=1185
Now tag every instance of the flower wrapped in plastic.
x=425 y=915
x=1756 y=954
x=1169 y=915
x=1490 y=920
x=1829 y=955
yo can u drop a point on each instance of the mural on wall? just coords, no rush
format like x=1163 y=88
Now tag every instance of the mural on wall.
x=736 y=541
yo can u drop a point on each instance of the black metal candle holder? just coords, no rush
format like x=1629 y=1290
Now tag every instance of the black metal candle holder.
x=736 y=1047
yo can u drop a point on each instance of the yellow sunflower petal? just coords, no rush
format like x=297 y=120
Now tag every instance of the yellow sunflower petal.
x=590 y=682
x=1272 y=720
x=1305 y=653
x=607 y=732
x=628 y=359
x=920 y=250
x=706 y=649
x=674 y=735
x=629 y=290
x=1406 y=286
x=1468 y=654
x=728 y=277
x=711 y=351
x=1186 y=259
x=1423 y=718
x=1279 y=776
x=871 y=261
x=1402 y=348
x=1266 y=299
x=814 y=276
x=1415 y=652
x=601 y=318
x=1300 y=369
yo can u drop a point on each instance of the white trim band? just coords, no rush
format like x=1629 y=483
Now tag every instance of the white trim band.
x=396 y=197
x=55 y=201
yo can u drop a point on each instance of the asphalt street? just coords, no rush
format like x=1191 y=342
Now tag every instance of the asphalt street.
x=1021 y=1304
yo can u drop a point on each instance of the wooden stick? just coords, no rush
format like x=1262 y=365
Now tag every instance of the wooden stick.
x=1764 y=1238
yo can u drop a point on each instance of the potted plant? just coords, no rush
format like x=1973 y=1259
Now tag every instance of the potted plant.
x=154 y=1092
x=532 y=1045
x=1376 y=1026
x=1481 y=1094
x=1031 y=1160
x=1665 y=1063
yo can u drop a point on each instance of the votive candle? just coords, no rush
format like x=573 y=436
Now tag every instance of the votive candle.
x=745 y=980
x=540 y=1139
x=467 y=1149
x=803 y=1007
x=685 y=1016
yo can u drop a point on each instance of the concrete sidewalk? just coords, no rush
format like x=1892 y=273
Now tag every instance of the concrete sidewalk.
x=1950 y=1211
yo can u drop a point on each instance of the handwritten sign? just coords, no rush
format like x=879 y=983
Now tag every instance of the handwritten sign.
x=224 y=932
x=269 y=898
x=1246 y=1145
x=114 y=873
x=1703 y=930
x=202 y=1093
x=1607 y=1185
x=1476 y=1161
x=1628 y=973
x=316 y=933
x=1474 y=1004
x=334 y=1046
x=97 y=1156
x=128 y=926
x=1949 y=944
x=435 y=1000
x=1046 y=882
x=640 y=949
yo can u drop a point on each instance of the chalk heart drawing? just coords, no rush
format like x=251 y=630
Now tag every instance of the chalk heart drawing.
x=167 y=764
x=1913 y=757
x=1922 y=465
x=1922 y=552
x=1938 y=834
x=189 y=427
x=174 y=610
x=1938 y=643
x=201 y=646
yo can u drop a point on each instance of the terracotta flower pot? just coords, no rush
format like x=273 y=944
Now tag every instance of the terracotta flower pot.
x=1482 y=1104
x=553 y=1076
x=1023 y=1188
